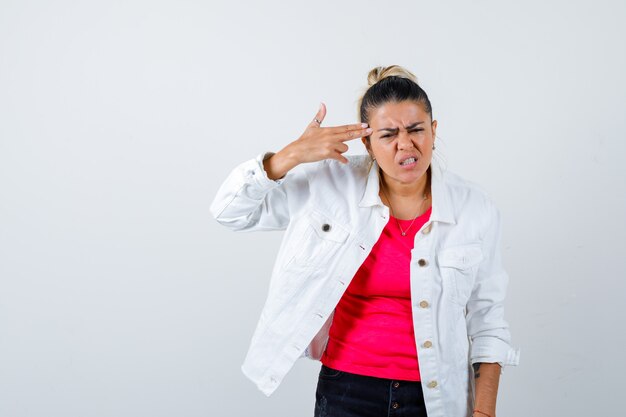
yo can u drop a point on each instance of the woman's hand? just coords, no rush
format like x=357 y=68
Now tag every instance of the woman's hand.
x=317 y=143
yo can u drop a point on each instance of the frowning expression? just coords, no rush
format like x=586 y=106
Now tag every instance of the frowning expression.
x=401 y=130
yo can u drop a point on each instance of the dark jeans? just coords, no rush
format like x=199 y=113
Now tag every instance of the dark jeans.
x=344 y=394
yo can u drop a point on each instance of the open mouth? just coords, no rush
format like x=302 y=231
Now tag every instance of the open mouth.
x=409 y=162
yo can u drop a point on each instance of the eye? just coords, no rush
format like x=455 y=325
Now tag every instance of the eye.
x=411 y=131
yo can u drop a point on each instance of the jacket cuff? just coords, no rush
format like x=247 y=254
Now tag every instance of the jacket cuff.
x=493 y=350
x=260 y=174
x=253 y=173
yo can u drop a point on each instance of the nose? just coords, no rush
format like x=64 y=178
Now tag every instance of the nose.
x=404 y=140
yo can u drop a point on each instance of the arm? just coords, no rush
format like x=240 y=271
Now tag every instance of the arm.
x=486 y=379
x=260 y=194
x=250 y=198
x=487 y=329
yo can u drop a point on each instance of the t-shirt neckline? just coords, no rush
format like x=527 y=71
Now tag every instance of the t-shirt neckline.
x=410 y=220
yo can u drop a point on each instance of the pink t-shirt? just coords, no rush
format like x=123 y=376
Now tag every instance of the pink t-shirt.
x=372 y=329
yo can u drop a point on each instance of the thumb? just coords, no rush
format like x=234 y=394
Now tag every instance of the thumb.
x=321 y=113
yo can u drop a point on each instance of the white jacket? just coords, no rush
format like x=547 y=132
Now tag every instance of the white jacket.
x=332 y=216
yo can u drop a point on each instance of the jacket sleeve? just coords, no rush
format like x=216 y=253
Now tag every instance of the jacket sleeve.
x=248 y=200
x=488 y=331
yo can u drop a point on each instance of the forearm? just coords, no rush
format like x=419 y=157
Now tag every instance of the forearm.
x=487 y=378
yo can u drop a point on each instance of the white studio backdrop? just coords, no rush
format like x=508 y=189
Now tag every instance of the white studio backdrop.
x=121 y=296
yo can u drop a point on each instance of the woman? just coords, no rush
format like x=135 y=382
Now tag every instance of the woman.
x=390 y=270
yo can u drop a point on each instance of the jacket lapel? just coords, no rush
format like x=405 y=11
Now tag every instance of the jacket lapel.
x=441 y=199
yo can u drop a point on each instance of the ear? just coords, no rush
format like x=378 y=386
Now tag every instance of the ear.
x=366 y=145
x=434 y=127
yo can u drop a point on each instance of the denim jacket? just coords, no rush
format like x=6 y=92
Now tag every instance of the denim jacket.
x=332 y=216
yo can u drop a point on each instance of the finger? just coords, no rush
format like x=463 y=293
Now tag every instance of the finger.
x=339 y=150
x=353 y=134
x=319 y=116
x=339 y=157
x=347 y=128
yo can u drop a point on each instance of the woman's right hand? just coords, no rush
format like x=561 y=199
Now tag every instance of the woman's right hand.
x=315 y=144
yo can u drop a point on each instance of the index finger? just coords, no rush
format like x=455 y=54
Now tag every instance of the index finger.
x=347 y=128
x=346 y=135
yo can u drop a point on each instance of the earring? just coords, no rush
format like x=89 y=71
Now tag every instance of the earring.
x=433 y=146
x=371 y=162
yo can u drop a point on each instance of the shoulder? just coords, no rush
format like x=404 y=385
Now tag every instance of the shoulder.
x=466 y=193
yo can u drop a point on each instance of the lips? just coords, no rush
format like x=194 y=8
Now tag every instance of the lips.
x=404 y=158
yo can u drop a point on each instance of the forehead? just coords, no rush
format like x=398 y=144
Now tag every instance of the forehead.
x=397 y=114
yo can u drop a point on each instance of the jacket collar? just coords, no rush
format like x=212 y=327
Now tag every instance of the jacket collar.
x=441 y=201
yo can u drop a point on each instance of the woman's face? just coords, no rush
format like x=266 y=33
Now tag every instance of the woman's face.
x=401 y=130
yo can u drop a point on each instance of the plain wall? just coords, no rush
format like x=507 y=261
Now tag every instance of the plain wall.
x=120 y=295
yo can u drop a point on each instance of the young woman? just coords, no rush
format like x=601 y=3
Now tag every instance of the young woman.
x=390 y=270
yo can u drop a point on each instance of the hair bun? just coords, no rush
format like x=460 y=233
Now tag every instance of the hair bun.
x=380 y=73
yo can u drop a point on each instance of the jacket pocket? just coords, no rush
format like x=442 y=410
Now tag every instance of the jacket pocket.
x=458 y=265
x=321 y=238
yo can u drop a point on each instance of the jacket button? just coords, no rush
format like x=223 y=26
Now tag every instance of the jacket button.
x=432 y=384
x=423 y=303
x=427 y=344
x=326 y=227
x=422 y=262
x=427 y=229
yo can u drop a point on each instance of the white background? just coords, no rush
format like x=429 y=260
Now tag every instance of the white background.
x=121 y=296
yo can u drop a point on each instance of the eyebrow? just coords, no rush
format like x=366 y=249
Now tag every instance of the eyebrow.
x=396 y=129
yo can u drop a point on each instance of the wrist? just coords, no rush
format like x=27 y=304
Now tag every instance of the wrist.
x=289 y=156
x=476 y=412
x=277 y=165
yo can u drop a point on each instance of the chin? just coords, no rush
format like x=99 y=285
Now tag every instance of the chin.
x=412 y=175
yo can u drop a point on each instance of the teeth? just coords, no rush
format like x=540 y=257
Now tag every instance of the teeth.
x=408 y=161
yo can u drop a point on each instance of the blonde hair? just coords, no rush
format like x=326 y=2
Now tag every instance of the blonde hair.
x=379 y=73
